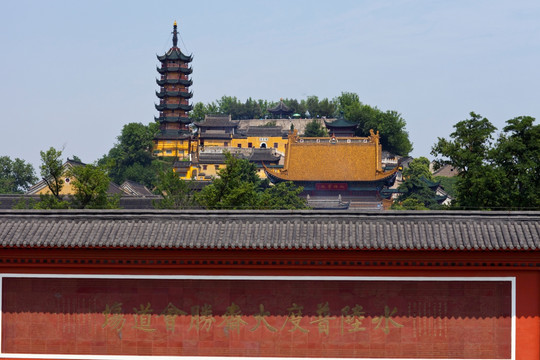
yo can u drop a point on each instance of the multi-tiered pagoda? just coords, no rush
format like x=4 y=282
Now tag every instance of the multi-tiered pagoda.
x=174 y=138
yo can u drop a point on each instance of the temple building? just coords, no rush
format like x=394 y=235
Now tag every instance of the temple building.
x=263 y=137
x=341 y=127
x=216 y=130
x=218 y=134
x=174 y=138
x=346 y=168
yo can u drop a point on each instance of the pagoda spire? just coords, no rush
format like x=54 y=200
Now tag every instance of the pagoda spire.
x=175 y=35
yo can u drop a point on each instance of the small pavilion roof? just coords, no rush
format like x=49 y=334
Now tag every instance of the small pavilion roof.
x=340 y=122
x=280 y=108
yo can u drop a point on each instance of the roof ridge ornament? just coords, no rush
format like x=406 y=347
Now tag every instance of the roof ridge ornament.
x=175 y=35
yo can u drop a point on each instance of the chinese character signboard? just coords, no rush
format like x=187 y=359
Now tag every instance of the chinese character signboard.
x=331 y=186
x=258 y=317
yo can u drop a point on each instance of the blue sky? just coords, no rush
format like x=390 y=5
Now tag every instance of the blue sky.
x=72 y=73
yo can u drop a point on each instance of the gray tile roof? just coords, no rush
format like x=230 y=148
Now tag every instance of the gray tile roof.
x=200 y=229
x=133 y=188
x=219 y=121
x=267 y=155
x=215 y=136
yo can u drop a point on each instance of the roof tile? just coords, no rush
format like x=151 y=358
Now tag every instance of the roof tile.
x=271 y=230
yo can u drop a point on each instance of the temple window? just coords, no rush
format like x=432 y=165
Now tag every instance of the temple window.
x=239 y=145
x=250 y=145
x=275 y=145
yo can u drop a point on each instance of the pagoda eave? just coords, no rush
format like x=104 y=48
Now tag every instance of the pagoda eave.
x=175 y=54
x=174 y=82
x=182 y=70
x=173 y=119
x=182 y=94
x=173 y=135
x=184 y=107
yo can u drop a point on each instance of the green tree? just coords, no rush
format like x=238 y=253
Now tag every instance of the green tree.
x=480 y=184
x=252 y=109
x=91 y=184
x=263 y=105
x=198 y=112
x=16 y=176
x=295 y=106
x=517 y=154
x=390 y=124
x=415 y=186
x=418 y=168
x=52 y=170
x=284 y=196
x=229 y=105
x=315 y=129
x=48 y=201
x=131 y=157
x=175 y=191
x=327 y=108
x=235 y=188
x=409 y=204
x=239 y=187
x=312 y=105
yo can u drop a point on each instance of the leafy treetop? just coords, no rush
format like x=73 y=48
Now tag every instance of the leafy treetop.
x=16 y=176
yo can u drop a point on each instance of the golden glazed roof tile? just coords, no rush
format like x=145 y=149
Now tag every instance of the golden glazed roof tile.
x=333 y=159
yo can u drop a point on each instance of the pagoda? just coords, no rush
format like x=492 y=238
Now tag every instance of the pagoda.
x=332 y=168
x=174 y=137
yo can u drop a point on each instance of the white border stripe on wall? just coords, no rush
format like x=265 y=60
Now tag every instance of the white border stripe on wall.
x=512 y=280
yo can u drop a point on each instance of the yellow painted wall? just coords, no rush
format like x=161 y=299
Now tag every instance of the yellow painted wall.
x=176 y=148
x=257 y=141
x=217 y=142
x=67 y=189
x=211 y=171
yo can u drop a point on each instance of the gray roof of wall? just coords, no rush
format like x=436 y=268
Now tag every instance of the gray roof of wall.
x=268 y=230
x=270 y=131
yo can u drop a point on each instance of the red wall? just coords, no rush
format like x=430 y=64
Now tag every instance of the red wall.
x=521 y=265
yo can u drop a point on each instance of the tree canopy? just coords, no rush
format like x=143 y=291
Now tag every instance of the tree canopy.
x=517 y=154
x=390 y=124
x=315 y=129
x=176 y=192
x=415 y=187
x=239 y=187
x=91 y=183
x=52 y=170
x=131 y=157
x=16 y=176
x=493 y=174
